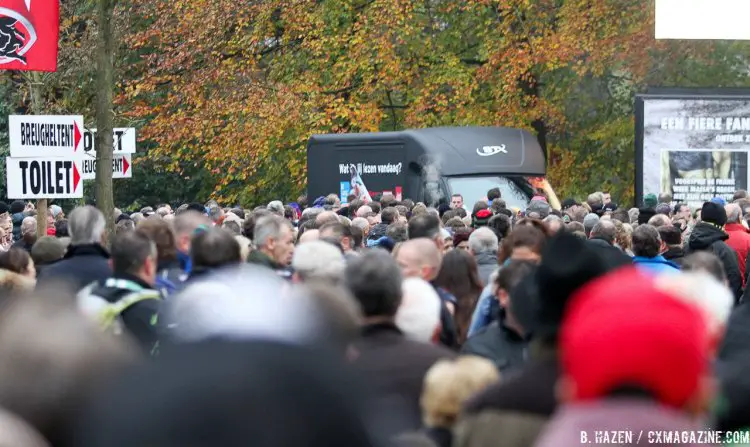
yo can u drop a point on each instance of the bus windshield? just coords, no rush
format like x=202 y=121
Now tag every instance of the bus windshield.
x=474 y=189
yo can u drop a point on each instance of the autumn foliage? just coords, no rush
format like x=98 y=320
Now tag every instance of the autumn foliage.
x=235 y=89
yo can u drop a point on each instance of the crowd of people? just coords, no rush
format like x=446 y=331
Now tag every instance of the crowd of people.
x=376 y=322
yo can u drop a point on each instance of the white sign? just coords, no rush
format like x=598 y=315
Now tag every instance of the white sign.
x=123 y=140
x=121 y=167
x=44 y=178
x=45 y=135
x=702 y=19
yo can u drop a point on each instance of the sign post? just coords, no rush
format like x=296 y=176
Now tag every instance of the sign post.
x=45 y=161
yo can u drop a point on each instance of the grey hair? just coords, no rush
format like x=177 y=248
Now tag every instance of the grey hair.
x=659 y=220
x=311 y=212
x=86 y=225
x=483 y=240
x=28 y=225
x=269 y=227
x=589 y=222
x=734 y=213
x=318 y=260
x=434 y=212
x=276 y=207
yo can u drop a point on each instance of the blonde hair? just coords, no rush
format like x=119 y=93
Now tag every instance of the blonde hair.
x=245 y=244
x=450 y=383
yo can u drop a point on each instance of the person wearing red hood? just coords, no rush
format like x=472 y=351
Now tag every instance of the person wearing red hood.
x=632 y=377
x=739 y=237
x=51 y=225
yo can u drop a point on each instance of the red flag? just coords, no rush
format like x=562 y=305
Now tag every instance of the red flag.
x=28 y=34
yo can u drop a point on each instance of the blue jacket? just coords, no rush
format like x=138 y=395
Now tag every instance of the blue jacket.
x=657 y=265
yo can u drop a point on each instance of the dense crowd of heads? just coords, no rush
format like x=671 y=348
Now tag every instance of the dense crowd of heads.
x=372 y=322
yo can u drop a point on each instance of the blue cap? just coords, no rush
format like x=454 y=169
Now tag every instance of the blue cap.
x=719 y=201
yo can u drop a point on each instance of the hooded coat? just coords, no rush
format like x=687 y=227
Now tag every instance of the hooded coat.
x=707 y=237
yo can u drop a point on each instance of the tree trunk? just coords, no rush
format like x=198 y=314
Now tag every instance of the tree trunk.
x=104 y=87
x=37 y=108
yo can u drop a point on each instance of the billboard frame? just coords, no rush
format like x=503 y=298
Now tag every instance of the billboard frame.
x=672 y=93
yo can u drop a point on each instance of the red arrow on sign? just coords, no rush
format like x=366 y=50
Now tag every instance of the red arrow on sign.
x=76 y=177
x=125 y=165
x=76 y=136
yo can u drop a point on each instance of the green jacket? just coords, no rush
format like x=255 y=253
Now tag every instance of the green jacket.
x=257 y=257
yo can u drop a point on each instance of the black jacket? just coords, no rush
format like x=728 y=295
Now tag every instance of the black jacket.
x=609 y=251
x=377 y=231
x=736 y=343
x=23 y=244
x=498 y=343
x=395 y=368
x=448 y=331
x=81 y=266
x=141 y=318
x=675 y=254
x=706 y=237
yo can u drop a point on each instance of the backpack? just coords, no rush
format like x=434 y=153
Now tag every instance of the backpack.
x=107 y=315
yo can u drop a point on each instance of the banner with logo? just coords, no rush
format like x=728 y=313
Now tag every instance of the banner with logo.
x=28 y=34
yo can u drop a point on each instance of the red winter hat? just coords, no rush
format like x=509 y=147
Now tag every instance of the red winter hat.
x=621 y=331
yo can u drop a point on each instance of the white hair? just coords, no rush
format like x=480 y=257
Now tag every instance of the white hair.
x=419 y=313
x=702 y=290
x=319 y=260
x=86 y=225
x=244 y=245
x=483 y=240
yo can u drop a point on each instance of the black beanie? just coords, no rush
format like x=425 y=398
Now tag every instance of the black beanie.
x=17 y=207
x=560 y=275
x=4 y=208
x=644 y=214
x=714 y=214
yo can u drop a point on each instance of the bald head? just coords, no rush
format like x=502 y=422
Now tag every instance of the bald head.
x=309 y=236
x=419 y=258
x=734 y=213
x=605 y=230
x=326 y=217
x=185 y=225
x=363 y=211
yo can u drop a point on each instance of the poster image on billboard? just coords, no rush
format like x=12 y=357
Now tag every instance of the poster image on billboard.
x=697 y=176
x=369 y=173
x=692 y=144
x=358 y=186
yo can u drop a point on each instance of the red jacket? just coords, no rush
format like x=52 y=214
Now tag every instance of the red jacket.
x=739 y=240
